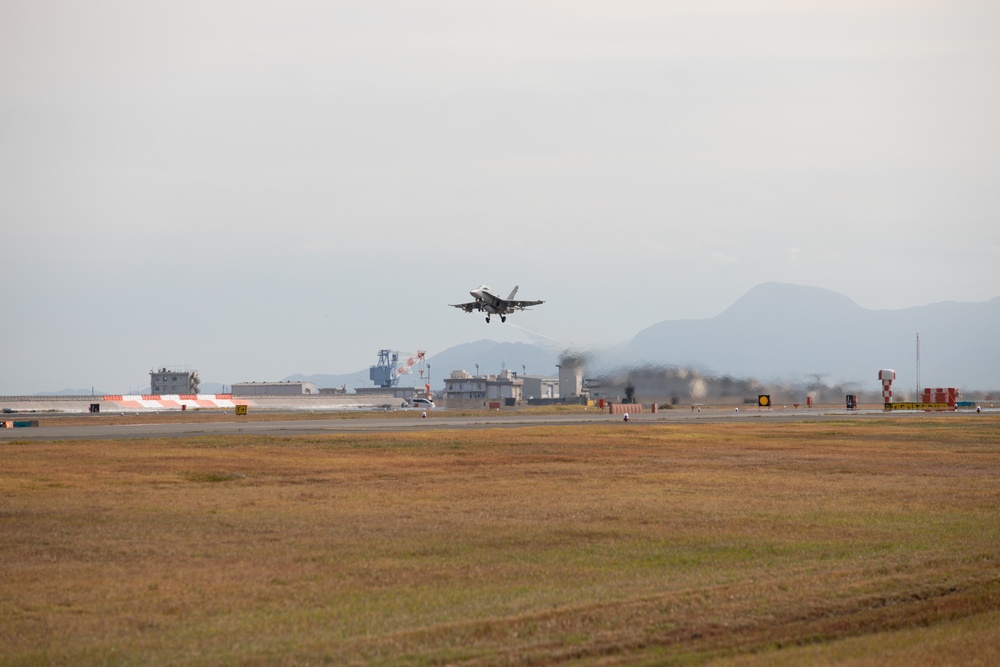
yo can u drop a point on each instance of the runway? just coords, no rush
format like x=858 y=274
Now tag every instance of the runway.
x=51 y=430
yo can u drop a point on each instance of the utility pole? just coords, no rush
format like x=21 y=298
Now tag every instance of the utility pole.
x=918 y=367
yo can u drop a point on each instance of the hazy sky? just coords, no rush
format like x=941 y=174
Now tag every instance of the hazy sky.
x=256 y=189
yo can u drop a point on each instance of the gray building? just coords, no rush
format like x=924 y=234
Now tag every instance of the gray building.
x=571 y=379
x=170 y=382
x=539 y=386
x=462 y=385
x=274 y=389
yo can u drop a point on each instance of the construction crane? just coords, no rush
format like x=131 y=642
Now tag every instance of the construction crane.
x=389 y=368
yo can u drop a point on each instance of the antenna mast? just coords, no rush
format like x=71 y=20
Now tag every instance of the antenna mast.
x=918 y=365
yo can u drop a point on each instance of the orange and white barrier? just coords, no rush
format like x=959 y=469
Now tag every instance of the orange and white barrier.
x=172 y=401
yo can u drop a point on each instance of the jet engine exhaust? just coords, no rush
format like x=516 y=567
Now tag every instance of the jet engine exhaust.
x=532 y=333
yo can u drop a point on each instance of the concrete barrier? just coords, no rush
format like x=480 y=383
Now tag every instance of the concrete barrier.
x=19 y=423
x=140 y=403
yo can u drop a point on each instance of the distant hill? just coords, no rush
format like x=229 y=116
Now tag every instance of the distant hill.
x=790 y=332
x=774 y=332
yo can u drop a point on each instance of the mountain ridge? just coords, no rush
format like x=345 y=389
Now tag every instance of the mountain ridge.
x=778 y=332
x=773 y=332
x=782 y=331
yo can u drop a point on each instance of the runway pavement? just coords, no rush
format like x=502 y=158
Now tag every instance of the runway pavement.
x=435 y=421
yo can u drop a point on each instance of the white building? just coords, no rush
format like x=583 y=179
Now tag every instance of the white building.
x=505 y=387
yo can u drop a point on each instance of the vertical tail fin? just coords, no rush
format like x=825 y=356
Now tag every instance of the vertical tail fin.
x=511 y=297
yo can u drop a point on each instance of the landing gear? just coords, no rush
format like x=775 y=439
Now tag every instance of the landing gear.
x=487 y=319
x=503 y=318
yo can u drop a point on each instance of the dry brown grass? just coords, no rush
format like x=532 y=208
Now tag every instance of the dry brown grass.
x=866 y=542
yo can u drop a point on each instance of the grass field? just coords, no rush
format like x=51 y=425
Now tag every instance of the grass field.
x=860 y=542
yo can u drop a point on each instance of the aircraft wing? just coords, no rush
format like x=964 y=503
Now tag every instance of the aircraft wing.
x=520 y=305
x=467 y=307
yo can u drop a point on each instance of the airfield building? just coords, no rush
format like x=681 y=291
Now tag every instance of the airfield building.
x=463 y=386
x=274 y=389
x=571 y=379
x=504 y=387
x=167 y=381
x=540 y=387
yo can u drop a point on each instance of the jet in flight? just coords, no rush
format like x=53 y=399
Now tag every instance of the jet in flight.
x=488 y=302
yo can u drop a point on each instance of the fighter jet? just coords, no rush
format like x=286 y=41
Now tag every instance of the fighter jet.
x=488 y=302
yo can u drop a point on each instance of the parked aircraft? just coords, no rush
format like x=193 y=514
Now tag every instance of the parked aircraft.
x=488 y=302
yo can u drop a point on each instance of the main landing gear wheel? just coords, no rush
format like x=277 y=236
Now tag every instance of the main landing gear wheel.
x=503 y=318
x=487 y=319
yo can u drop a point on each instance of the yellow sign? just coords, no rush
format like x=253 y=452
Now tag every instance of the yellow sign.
x=916 y=406
x=241 y=409
x=764 y=400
